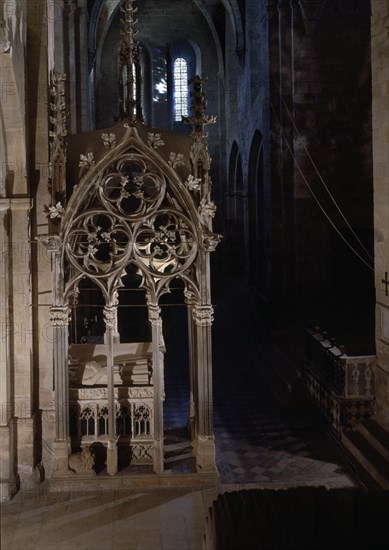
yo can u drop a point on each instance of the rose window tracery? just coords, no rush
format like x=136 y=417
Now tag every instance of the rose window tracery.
x=98 y=243
x=165 y=243
x=132 y=188
x=130 y=214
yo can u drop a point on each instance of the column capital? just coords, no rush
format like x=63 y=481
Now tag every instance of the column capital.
x=211 y=240
x=202 y=315
x=155 y=315
x=190 y=298
x=110 y=316
x=16 y=203
x=59 y=315
x=52 y=243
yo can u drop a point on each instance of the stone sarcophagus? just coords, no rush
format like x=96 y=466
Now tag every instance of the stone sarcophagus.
x=133 y=394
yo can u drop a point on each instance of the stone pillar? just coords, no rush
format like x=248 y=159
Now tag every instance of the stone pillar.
x=59 y=319
x=83 y=84
x=380 y=81
x=276 y=275
x=56 y=35
x=110 y=315
x=16 y=334
x=72 y=64
x=192 y=368
x=156 y=330
x=204 y=440
x=59 y=316
x=8 y=473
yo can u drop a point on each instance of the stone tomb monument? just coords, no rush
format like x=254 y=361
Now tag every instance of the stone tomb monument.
x=133 y=392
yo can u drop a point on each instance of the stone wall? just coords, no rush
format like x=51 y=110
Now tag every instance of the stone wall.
x=16 y=366
x=303 y=81
x=323 y=74
x=380 y=77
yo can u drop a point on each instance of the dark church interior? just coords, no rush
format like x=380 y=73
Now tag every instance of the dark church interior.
x=299 y=374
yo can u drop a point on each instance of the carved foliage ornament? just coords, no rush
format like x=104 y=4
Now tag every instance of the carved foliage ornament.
x=155 y=140
x=54 y=212
x=203 y=315
x=87 y=161
x=110 y=317
x=176 y=159
x=211 y=240
x=52 y=243
x=109 y=140
x=155 y=316
x=57 y=134
x=193 y=183
x=59 y=315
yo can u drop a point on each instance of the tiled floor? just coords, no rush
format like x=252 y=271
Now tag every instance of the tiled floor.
x=257 y=441
x=258 y=444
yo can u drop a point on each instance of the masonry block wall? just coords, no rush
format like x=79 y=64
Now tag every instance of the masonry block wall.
x=380 y=71
x=304 y=83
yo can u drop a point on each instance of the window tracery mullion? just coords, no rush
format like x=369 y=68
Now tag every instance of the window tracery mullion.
x=180 y=95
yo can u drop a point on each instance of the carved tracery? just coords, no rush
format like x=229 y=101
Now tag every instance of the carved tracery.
x=130 y=214
x=139 y=208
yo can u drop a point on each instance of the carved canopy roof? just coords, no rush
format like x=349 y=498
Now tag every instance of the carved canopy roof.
x=134 y=198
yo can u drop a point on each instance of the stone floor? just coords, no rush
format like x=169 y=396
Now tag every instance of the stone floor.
x=258 y=444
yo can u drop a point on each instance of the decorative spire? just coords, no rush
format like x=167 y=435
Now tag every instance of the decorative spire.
x=58 y=133
x=130 y=78
x=200 y=158
x=199 y=104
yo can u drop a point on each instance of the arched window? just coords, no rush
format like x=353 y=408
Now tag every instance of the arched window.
x=180 y=75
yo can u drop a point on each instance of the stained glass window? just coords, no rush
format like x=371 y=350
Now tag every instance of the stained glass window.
x=180 y=89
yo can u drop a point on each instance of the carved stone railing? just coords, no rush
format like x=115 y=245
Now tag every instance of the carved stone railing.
x=134 y=423
x=342 y=385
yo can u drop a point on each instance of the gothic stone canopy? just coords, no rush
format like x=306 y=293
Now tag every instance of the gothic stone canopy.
x=133 y=198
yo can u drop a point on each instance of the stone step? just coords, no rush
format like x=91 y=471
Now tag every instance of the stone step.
x=179 y=446
x=181 y=456
x=368 y=457
x=376 y=435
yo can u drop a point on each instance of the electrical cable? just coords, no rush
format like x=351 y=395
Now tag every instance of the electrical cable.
x=325 y=186
x=315 y=197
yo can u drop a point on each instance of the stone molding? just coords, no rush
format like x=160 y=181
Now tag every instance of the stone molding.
x=52 y=243
x=102 y=393
x=110 y=317
x=203 y=315
x=59 y=315
x=155 y=316
x=16 y=204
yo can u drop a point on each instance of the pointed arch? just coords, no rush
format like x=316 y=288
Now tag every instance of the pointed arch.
x=234 y=221
x=256 y=227
x=130 y=207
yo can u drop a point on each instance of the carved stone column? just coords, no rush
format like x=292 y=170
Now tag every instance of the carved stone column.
x=70 y=15
x=204 y=441
x=110 y=315
x=59 y=317
x=156 y=331
x=192 y=367
x=8 y=466
x=83 y=53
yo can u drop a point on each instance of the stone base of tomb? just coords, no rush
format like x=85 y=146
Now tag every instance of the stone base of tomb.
x=209 y=481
